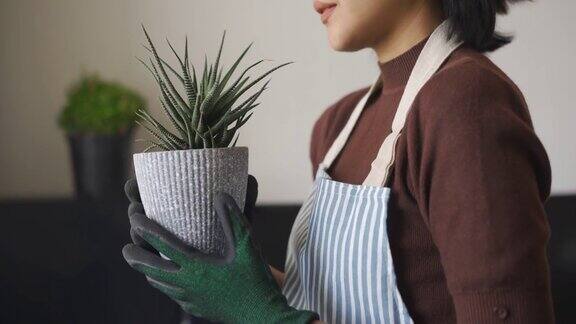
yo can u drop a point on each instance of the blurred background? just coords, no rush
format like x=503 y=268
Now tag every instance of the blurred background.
x=60 y=256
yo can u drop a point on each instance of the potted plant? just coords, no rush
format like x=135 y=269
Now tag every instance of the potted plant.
x=98 y=119
x=196 y=153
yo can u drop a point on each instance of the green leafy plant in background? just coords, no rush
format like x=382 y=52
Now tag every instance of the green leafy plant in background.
x=95 y=106
x=209 y=112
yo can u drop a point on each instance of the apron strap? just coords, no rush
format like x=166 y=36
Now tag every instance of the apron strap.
x=438 y=47
x=340 y=141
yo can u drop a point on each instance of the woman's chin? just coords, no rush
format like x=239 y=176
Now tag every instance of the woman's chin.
x=341 y=42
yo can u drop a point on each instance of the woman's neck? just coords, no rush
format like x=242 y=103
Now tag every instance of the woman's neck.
x=410 y=30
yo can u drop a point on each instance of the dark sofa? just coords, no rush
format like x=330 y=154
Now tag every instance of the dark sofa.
x=61 y=262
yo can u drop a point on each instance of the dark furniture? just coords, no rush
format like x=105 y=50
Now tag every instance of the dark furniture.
x=61 y=262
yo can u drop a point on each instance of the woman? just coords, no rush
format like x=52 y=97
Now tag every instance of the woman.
x=428 y=198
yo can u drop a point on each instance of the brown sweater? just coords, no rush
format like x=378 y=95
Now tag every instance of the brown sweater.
x=467 y=227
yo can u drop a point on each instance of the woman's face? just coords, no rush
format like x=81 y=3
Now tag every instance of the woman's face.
x=357 y=24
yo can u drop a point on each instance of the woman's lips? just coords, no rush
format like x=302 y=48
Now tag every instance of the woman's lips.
x=327 y=13
x=324 y=9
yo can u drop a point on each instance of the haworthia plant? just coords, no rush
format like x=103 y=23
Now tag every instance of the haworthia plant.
x=209 y=112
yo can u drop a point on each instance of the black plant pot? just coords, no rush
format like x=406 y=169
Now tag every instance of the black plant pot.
x=100 y=164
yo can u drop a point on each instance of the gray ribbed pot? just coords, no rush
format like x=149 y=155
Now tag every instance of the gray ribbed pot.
x=176 y=188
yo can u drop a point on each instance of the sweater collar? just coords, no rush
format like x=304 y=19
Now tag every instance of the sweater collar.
x=395 y=72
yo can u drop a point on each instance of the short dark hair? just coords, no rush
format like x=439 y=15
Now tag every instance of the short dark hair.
x=474 y=22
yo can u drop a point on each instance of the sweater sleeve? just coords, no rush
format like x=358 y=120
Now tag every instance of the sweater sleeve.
x=481 y=181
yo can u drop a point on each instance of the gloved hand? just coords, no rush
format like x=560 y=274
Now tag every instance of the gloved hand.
x=234 y=288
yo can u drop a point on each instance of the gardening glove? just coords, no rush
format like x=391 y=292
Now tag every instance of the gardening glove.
x=236 y=287
x=131 y=190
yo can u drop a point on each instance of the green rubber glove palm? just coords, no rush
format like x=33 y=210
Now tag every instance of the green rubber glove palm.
x=237 y=287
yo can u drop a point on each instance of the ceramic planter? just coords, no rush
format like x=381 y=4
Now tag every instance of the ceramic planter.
x=176 y=188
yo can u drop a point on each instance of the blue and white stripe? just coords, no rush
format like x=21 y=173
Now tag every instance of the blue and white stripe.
x=339 y=263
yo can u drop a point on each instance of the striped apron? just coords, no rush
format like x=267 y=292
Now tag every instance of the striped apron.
x=339 y=262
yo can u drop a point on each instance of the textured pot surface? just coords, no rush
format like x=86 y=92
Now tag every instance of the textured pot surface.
x=176 y=188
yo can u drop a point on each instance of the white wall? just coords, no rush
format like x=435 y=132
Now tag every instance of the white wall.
x=45 y=45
